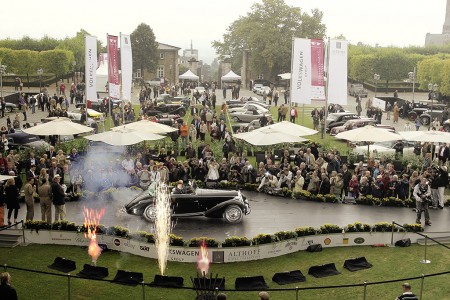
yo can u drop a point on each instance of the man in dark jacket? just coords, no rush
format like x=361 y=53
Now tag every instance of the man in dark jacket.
x=378 y=188
x=324 y=187
x=58 y=199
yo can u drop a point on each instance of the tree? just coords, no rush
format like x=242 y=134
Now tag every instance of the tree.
x=145 y=48
x=182 y=69
x=435 y=70
x=267 y=33
x=76 y=45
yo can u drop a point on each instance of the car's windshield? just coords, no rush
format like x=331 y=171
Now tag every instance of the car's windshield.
x=151 y=189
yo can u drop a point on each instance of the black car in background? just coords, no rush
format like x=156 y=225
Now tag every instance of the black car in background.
x=229 y=205
x=339 y=119
x=20 y=140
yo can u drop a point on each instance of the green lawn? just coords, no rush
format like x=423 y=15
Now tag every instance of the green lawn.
x=389 y=263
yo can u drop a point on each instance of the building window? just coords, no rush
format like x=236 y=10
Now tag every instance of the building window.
x=138 y=73
x=160 y=72
x=161 y=55
x=260 y=76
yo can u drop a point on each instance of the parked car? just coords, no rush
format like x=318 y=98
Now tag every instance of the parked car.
x=385 y=148
x=97 y=104
x=430 y=114
x=93 y=116
x=256 y=87
x=10 y=107
x=357 y=89
x=196 y=202
x=338 y=119
x=262 y=90
x=169 y=99
x=168 y=108
x=241 y=102
x=20 y=140
x=352 y=124
x=247 y=116
x=249 y=106
x=245 y=126
x=169 y=120
x=417 y=109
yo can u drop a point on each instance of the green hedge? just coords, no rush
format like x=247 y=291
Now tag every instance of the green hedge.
x=233 y=241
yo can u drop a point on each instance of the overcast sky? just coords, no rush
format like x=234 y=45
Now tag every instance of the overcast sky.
x=177 y=22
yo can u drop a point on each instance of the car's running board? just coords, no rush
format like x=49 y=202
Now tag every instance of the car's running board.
x=188 y=215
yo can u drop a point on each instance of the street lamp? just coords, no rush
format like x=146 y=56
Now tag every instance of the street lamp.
x=74 y=63
x=433 y=88
x=412 y=76
x=377 y=78
x=2 y=72
x=39 y=72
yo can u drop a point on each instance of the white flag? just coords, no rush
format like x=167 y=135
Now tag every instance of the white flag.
x=91 y=67
x=126 y=65
x=301 y=72
x=337 y=72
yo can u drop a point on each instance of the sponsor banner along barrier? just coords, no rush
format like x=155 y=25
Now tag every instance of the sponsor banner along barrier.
x=221 y=255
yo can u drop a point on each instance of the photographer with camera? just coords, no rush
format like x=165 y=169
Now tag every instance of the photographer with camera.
x=268 y=183
x=422 y=194
x=284 y=178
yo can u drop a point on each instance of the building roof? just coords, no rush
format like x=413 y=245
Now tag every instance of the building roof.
x=162 y=46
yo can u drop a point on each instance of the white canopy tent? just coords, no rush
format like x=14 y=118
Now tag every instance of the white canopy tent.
x=231 y=76
x=189 y=76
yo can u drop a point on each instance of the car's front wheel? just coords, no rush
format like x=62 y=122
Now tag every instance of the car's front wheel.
x=412 y=116
x=425 y=120
x=182 y=112
x=236 y=119
x=233 y=214
x=150 y=213
x=8 y=109
x=447 y=128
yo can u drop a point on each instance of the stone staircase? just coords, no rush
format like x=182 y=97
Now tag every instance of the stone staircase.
x=10 y=238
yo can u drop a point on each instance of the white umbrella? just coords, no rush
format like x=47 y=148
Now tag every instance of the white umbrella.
x=59 y=126
x=369 y=134
x=123 y=137
x=266 y=136
x=148 y=127
x=426 y=136
x=6 y=177
x=293 y=129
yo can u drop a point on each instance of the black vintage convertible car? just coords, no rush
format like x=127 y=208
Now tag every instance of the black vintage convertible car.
x=229 y=205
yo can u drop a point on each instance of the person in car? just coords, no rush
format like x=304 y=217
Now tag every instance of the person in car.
x=179 y=189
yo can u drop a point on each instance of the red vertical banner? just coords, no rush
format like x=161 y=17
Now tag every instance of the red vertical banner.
x=113 y=66
x=317 y=69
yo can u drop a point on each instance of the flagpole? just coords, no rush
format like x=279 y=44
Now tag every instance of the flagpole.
x=109 y=90
x=292 y=68
x=85 y=86
x=326 y=91
x=121 y=86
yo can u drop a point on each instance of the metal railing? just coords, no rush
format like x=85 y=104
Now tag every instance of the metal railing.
x=296 y=292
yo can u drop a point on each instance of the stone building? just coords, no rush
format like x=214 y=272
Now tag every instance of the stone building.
x=443 y=38
x=167 y=66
